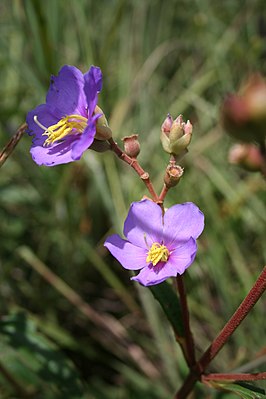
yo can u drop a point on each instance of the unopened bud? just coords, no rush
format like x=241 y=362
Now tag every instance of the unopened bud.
x=100 y=145
x=188 y=128
x=246 y=155
x=131 y=145
x=167 y=124
x=172 y=175
x=103 y=132
x=177 y=140
x=177 y=129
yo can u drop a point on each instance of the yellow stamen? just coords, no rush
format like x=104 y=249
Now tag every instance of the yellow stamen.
x=157 y=253
x=70 y=124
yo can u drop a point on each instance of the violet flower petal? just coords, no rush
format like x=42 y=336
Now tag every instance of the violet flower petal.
x=66 y=93
x=179 y=260
x=85 y=139
x=55 y=154
x=143 y=225
x=97 y=74
x=45 y=118
x=130 y=256
x=181 y=222
x=92 y=85
x=182 y=257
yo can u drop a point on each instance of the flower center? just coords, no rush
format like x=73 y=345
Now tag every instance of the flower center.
x=157 y=253
x=70 y=124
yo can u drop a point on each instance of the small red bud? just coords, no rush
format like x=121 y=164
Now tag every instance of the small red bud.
x=131 y=145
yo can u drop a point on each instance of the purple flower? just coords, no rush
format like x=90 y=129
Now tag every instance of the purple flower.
x=65 y=126
x=162 y=246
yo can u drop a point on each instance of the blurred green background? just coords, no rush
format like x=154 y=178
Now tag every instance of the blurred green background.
x=157 y=57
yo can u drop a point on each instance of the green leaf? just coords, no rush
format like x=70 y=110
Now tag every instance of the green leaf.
x=169 y=301
x=35 y=362
x=243 y=390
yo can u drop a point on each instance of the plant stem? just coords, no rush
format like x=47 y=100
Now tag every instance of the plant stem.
x=189 y=342
x=7 y=150
x=136 y=166
x=252 y=297
x=163 y=193
x=234 y=377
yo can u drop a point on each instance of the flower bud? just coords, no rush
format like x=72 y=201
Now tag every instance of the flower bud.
x=244 y=114
x=177 y=129
x=167 y=124
x=172 y=175
x=131 y=145
x=246 y=155
x=100 y=145
x=103 y=132
x=178 y=138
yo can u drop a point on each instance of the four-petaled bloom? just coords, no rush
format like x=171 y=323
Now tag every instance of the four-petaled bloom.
x=161 y=245
x=65 y=126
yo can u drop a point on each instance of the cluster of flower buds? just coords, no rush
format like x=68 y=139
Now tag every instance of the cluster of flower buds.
x=175 y=135
x=244 y=113
x=248 y=156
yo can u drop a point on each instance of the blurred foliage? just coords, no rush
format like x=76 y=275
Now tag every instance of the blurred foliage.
x=156 y=56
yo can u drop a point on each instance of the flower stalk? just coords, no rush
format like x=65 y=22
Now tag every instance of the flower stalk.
x=188 y=347
x=234 y=377
x=136 y=166
x=245 y=307
x=8 y=149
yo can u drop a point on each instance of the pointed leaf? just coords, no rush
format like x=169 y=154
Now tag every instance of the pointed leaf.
x=169 y=302
x=243 y=390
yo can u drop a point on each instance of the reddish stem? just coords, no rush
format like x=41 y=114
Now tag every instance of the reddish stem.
x=7 y=150
x=163 y=193
x=189 y=342
x=136 y=166
x=234 y=377
x=252 y=297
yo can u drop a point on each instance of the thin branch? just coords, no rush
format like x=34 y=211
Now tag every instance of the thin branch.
x=234 y=377
x=163 y=193
x=250 y=300
x=189 y=342
x=136 y=166
x=8 y=149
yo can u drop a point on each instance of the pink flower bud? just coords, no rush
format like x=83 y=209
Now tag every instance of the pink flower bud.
x=167 y=124
x=188 y=128
x=178 y=138
x=247 y=156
